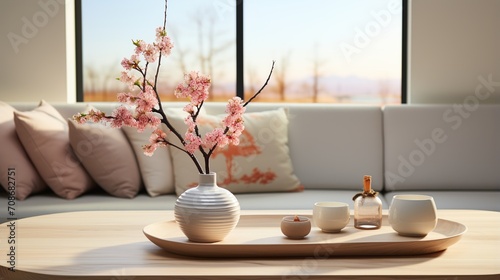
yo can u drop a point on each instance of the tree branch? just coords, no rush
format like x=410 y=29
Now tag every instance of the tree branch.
x=262 y=88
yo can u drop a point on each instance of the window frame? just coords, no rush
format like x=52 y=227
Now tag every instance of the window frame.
x=239 y=50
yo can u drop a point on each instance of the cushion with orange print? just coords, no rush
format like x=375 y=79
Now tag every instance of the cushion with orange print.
x=260 y=163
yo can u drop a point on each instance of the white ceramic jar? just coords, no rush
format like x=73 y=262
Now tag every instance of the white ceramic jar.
x=413 y=215
x=207 y=213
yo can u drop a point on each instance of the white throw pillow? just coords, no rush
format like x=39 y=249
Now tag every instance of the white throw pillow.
x=156 y=170
x=260 y=163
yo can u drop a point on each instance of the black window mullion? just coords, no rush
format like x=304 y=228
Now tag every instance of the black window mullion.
x=404 y=52
x=79 y=51
x=240 y=88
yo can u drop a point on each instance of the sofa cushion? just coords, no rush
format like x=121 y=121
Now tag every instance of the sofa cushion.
x=333 y=147
x=442 y=147
x=107 y=156
x=25 y=179
x=260 y=163
x=156 y=170
x=44 y=135
x=95 y=200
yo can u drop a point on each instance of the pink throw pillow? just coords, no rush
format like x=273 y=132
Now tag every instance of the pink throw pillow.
x=107 y=156
x=44 y=135
x=24 y=178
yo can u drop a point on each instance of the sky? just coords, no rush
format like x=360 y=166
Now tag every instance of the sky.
x=345 y=37
x=296 y=28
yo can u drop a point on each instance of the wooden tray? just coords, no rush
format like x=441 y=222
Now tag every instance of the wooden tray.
x=260 y=236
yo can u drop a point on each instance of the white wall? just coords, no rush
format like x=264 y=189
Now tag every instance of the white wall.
x=454 y=46
x=34 y=57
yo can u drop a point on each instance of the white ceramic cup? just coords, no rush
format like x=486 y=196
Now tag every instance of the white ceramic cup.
x=413 y=214
x=331 y=216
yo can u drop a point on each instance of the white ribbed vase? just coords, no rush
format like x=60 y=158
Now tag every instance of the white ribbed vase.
x=207 y=213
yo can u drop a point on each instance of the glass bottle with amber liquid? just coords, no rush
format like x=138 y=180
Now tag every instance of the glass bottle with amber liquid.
x=367 y=207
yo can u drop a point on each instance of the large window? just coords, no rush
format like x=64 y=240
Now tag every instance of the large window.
x=335 y=51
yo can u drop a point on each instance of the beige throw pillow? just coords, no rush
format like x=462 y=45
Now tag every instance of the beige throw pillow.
x=107 y=156
x=156 y=170
x=260 y=163
x=44 y=135
x=23 y=175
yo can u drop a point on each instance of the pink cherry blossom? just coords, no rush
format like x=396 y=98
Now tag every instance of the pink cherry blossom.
x=122 y=116
x=93 y=115
x=215 y=138
x=190 y=109
x=163 y=42
x=190 y=123
x=150 y=53
x=157 y=139
x=140 y=46
x=147 y=100
x=96 y=115
x=128 y=79
x=193 y=142
x=234 y=110
x=158 y=136
x=146 y=119
x=165 y=46
x=160 y=33
x=127 y=98
x=149 y=149
x=126 y=64
x=195 y=87
x=235 y=106
x=133 y=62
x=234 y=120
x=233 y=139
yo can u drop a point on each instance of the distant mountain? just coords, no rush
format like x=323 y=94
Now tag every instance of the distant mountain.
x=338 y=86
x=351 y=87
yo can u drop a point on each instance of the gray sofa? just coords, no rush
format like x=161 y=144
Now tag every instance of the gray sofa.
x=448 y=151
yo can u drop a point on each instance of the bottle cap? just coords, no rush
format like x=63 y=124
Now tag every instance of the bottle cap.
x=367 y=183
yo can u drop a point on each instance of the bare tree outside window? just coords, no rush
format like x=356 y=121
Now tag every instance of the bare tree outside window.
x=204 y=41
x=356 y=56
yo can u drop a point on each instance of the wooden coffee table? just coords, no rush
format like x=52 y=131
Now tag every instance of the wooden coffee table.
x=111 y=245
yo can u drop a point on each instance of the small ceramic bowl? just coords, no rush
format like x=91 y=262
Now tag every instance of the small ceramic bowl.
x=295 y=229
x=331 y=216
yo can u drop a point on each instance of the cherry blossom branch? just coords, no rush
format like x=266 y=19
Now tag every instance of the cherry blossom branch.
x=195 y=160
x=144 y=73
x=160 y=111
x=177 y=134
x=226 y=129
x=263 y=86
x=148 y=110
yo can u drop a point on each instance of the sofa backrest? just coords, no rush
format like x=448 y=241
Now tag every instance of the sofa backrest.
x=331 y=146
x=442 y=147
x=335 y=146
